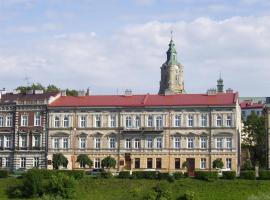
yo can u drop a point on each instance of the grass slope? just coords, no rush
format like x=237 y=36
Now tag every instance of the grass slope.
x=125 y=189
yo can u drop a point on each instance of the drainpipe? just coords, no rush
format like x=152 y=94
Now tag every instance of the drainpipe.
x=210 y=139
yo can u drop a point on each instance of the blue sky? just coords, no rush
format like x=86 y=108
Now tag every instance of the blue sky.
x=117 y=44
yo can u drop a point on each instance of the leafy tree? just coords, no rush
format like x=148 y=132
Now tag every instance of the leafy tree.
x=34 y=86
x=71 y=92
x=52 y=88
x=85 y=160
x=247 y=165
x=108 y=162
x=218 y=163
x=59 y=160
x=185 y=164
x=254 y=138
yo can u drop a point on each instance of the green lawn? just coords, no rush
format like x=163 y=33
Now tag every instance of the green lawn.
x=125 y=189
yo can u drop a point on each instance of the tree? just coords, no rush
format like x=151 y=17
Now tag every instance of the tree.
x=108 y=162
x=185 y=164
x=52 y=88
x=218 y=163
x=34 y=86
x=254 y=138
x=247 y=165
x=83 y=159
x=71 y=92
x=59 y=160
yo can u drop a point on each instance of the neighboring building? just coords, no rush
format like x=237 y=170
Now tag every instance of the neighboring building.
x=149 y=131
x=267 y=121
x=248 y=107
x=23 y=119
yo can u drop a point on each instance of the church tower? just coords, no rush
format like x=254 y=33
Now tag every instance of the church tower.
x=220 y=85
x=172 y=75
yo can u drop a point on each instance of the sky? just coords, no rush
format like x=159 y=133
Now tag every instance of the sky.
x=113 y=45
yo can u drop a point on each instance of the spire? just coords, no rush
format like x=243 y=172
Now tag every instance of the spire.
x=220 y=84
x=171 y=53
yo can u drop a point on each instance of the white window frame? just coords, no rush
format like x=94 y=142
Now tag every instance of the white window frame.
x=177 y=142
x=112 y=143
x=97 y=143
x=150 y=121
x=149 y=143
x=83 y=121
x=36 y=162
x=9 y=120
x=56 y=143
x=23 y=141
x=23 y=162
x=203 y=163
x=7 y=141
x=57 y=122
x=82 y=141
x=24 y=120
x=219 y=143
x=177 y=120
x=112 y=121
x=128 y=143
x=190 y=120
x=66 y=122
x=128 y=121
x=229 y=121
x=159 y=142
x=97 y=163
x=203 y=142
x=1 y=121
x=37 y=119
x=137 y=121
x=159 y=122
x=229 y=142
x=204 y=120
x=36 y=139
x=137 y=143
x=98 y=121
x=190 y=142
x=219 y=121
x=228 y=163
x=65 y=143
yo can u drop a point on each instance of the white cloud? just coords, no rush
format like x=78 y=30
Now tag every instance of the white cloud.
x=131 y=57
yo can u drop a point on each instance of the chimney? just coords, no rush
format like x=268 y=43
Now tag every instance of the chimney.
x=63 y=93
x=229 y=90
x=211 y=91
x=88 y=92
x=81 y=93
x=38 y=91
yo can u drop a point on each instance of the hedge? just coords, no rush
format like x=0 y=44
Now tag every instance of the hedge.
x=4 y=173
x=144 y=174
x=229 y=175
x=264 y=174
x=124 y=174
x=164 y=175
x=105 y=174
x=206 y=175
x=178 y=175
x=248 y=174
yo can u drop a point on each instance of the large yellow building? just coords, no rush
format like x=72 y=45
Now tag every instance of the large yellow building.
x=158 y=131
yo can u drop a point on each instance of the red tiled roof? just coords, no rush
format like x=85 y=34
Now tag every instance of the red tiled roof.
x=26 y=97
x=222 y=99
x=251 y=105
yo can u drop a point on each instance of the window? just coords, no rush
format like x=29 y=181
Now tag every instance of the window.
x=112 y=143
x=113 y=121
x=83 y=121
x=177 y=163
x=190 y=120
x=229 y=121
x=37 y=119
x=82 y=164
x=203 y=120
x=65 y=143
x=56 y=142
x=177 y=121
x=159 y=143
x=24 y=120
x=7 y=164
x=203 y=163
x=36 y=162
x=228 y=163
x=137 y=163
x=149 y=143
x=158 y=163
x=203 y=142
x=219 y=121
x=23 y=141
x=98 y=121
x=149 y=163
x=1 y=121
x=229 y=143
x=56 y=122
x=137 y=122
x=190 y=143
x=219 y=143
x=82 y=142
x=137 y=143
x=128 y=122
x=66 y=122
x=1 y=141
x=9 y=121
x=23 y=162
x=128 y=143
x=159 y=122
x=177 y=143
x=97 y=143
x=36 y=141
x=8 y=142
x=97 y=163
x=150 y=121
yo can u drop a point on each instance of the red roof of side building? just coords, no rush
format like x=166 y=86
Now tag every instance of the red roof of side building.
x=221 y=99
x=251 y=105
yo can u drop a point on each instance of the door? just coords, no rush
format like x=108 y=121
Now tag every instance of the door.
x=191 y=166
x=127 y=161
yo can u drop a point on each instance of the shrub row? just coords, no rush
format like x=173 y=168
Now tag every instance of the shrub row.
x=264 y=174
x=229 y=175
x=248 y=174
x=206 y=175
x=4 y=173
x=151 y=175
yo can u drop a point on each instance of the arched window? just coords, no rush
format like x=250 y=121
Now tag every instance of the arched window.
x=159 y=122
x=219 y=120
x=56 y=122
x=128 y=122
x=229 y=120
x=177 y=121
x=66 y=122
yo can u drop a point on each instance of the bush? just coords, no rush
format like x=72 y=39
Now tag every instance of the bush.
x=105 y=174
x=178 y=175
x=247 y=165
x=163 y=176
x=229 y=175
x=124 y=174
x=218 y=163
x=77 y=174
x=144 y=174
x=189 y=195
x=206 y=175
x=171 y=178
x=4 y=173
x=162 y=191
x=248 y=174
x=264 y=174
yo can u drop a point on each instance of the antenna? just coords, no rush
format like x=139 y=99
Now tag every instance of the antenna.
x=171 y=34
x=26 y=78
